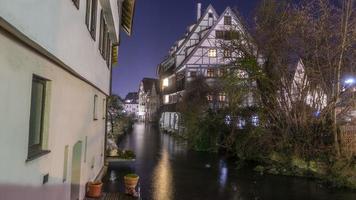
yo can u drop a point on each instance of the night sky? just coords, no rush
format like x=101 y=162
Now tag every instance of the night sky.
x=157 y=25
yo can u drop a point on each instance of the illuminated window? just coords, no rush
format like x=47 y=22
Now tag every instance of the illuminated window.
x=166 y=98
x=255 y=120
x=210 y=73
x=222 y=97
x=210 y=97
x=165 y=82
x=212 y=53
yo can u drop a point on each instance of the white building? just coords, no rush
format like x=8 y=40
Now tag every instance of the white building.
x=149 y=99
x=198 y=53
x=55 y=69
x=131 y=104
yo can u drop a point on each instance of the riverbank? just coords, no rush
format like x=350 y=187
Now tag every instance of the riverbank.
x=338 y=174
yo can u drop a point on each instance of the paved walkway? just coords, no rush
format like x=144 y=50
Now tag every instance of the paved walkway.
x=113 y=196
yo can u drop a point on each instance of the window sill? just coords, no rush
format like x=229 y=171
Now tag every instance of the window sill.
x=37 y=155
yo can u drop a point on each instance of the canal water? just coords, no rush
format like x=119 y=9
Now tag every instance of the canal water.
x=169 y=171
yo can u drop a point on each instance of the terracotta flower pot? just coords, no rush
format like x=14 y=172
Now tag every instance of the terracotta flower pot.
x=94 y=189
x=131 y=181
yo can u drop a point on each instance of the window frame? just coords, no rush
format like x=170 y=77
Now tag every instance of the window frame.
x=212 y=53
x=37 y=150
x=210 y=73
x=88 y=13
x=227 y=20
x=227 y=53
x=101 y=31
x=95 y=110
x=93 y=18
x=209 y=97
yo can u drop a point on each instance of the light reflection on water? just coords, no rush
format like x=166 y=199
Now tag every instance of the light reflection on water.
x=162 y=178
x=169 y=171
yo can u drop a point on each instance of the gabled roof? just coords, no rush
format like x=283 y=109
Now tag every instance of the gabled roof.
x=233 y=14
x=148 y=83
x=210 y=7
x=132 y=97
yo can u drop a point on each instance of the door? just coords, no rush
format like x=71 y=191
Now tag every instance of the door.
x=76 y=166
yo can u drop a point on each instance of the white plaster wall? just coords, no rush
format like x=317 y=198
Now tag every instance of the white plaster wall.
x=70 y=120
x=60 y=28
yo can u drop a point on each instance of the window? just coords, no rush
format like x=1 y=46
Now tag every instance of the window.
x=94 y=5
x=219 y=34
x=210 y=73
x=105 y=44
x=210 y=15
x=227 y=53
x=165 y=82
x=101 y=32
x=65 y=163
x=227 y=35
x=104 y=108
x=166 y=99
x=227 y=20
x=76 y=3
x=231 y=35
x=38 y=99
x=222 y=97
x=222 y=72
x=95 y=112
x=255 y=120
x=90 y=16
x=193 y=74
x=212 y=53
x=108 y=50
x=87 y=13
x=209 y=97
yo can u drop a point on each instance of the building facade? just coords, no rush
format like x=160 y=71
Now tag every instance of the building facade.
x=131 y=104
x=55 y=70
x=197 y=54
x=149 y=99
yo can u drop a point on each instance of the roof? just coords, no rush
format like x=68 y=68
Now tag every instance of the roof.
x=128 y=9
x=131 y=97
x=148 y=84
x=233 y=14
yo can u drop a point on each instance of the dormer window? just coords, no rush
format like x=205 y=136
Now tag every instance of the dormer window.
x=227 y=20
x=210 y=15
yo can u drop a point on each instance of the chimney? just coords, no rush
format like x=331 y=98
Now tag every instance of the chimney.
x=198 y=11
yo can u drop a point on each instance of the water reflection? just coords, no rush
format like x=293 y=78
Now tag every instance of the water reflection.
x=169 y=171
x=223 y=173
x=162 y=178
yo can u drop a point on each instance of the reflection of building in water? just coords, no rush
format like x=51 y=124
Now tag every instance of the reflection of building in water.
x=162 y=178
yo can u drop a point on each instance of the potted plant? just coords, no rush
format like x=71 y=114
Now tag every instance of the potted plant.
x=131 y=181
x=94 y=189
